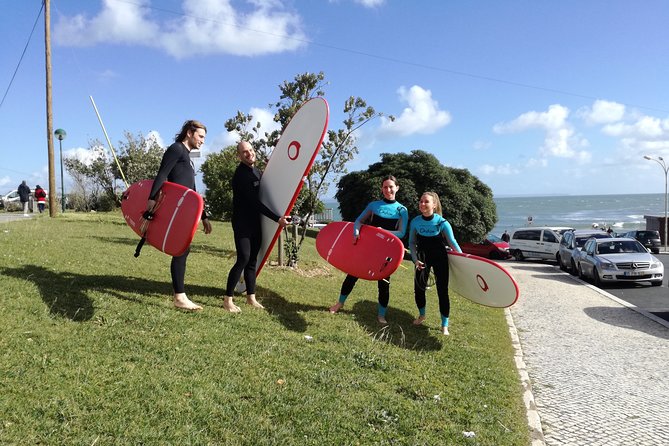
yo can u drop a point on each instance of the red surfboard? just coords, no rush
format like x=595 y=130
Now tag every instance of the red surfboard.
x=176 y=215
x=375 y=256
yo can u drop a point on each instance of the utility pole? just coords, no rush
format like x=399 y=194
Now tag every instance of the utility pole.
x=49 y=115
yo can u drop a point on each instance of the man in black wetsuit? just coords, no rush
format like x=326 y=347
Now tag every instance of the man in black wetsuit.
x=246 y=210
x=177 y=167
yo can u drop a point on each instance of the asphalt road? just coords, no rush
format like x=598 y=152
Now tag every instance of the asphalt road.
x=653 y=299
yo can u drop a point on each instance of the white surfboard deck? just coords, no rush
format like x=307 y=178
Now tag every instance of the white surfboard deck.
x=481 y=280
x=287 y=169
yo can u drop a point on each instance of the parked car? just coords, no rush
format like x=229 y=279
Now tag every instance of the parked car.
x=649 y=239
x=539 y=243
x=571 y=242
x=609 y=260
x=12 y=202
x=492 y=247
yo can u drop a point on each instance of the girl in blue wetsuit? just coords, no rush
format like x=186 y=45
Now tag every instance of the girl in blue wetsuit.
x=427 y=235
x=387 y=214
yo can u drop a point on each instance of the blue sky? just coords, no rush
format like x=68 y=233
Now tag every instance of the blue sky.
x=533 y=97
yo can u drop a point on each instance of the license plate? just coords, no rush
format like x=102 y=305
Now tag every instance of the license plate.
x=634 y=273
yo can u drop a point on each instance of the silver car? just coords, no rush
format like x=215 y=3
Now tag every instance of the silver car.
x=609 y=260
x=571 y=243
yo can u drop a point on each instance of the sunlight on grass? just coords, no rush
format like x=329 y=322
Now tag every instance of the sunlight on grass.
x=92 y=351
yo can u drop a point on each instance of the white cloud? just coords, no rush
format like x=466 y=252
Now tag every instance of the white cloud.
x=503 y=169
x=4 y=181
x=602 y=112
x=560 y=141
x=421 y=116
x=481 y=145
x=86 y=156
x=646 y=127
x=205 y=27
x=260 y=115
x=153 y=134
x=370 y=3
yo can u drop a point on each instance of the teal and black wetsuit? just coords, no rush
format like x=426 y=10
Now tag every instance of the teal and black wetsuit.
x=427 y=237
x=391 y=216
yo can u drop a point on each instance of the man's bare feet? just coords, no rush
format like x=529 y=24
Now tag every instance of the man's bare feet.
x=184 y=303
x=336 y=307
x=419 y=320
x=251 y=300
x=444 y=330
x=382 y=320
x=230 y=306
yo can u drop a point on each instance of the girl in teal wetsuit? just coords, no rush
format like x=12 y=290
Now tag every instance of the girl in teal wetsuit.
x=387 y=214
x=427 y=235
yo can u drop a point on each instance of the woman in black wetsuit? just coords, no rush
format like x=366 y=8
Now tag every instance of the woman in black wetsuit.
x=177 y=167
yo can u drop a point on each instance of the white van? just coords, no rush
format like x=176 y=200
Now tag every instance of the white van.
x=536 y=243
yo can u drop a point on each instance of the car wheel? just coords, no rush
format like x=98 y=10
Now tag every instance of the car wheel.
x=573 y=271
x=518 y=254
x=595 y=278
x=656 y=251
x=559 y=260
x=657 y=283
x=580 y=271
x=495 y=255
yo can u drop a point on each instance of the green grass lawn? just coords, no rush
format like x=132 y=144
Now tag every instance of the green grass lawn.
x=93 y=352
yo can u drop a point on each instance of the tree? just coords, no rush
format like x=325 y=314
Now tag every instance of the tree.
x=217 y=171
x=338 y=148
x=467 y=202
x=139 y=158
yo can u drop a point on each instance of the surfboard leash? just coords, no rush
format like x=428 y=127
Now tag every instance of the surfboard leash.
x=147 y=217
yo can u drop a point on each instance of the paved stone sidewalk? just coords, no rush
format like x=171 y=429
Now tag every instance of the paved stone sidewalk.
x=599 y=371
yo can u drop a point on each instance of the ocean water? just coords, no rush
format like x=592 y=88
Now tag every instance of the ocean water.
x=621 y=212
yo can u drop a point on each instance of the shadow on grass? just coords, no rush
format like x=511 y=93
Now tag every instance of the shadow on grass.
x=195 y=248
x=66 y=293
x=399 y=332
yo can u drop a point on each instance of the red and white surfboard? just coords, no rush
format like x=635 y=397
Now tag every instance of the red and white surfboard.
x=374 y=256
x=481 y=280
x=176 y=216
x=288 y=167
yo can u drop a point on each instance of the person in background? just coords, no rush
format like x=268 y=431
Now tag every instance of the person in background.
x=428 y=233
x=176 y=167
x=40 y=195
x=387 y=214
x=506 y=237
x=24 y=197
x=246 y=211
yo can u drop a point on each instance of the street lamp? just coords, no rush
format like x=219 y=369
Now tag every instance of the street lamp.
x=665 y=168
x=61 y=134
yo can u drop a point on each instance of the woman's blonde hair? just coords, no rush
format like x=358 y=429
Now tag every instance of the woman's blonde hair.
x=437 y=202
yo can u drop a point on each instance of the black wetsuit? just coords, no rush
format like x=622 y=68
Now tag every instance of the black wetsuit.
x=246 y=211
x=176 y=167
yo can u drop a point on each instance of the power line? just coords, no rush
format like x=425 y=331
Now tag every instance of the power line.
x=391 y=59
x=22 y=54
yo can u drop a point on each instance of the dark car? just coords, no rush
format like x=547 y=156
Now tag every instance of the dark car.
x=492 y=247
x=649 y=239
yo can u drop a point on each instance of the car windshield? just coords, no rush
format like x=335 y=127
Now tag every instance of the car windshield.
x=580 y=241
x=620 y=246
x=648 y=234
x=493 y=238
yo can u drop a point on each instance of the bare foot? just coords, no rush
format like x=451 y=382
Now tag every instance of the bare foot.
x=184 y=303
x=230 y=306
x=251 y=300
x=444 y=330
x=382 y=320
x=419 y=321
x=336 y=307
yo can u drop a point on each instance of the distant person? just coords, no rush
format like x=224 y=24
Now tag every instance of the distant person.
x=40 y=195
x=177 y=167
x=428 y=234
x=609 y=230
x=246 y=216
x=387 y=214
x=24 y=197
x=506 y=237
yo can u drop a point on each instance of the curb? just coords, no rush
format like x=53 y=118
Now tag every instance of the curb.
x=533 y=418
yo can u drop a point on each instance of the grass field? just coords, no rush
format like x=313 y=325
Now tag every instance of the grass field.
x=93 y=352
